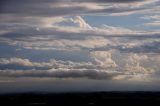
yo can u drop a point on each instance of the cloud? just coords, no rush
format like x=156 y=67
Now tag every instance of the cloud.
x=133 y=63
x=150 y=47
x=54 y=8
x=132 y=45
x=98 y=63
x=62 y=44
x=18 y=61
x=59 y=25
x=107 y=1
x=6 y=81
x=104 y=65
x=112 y=30
x=154 y=23
x=77 y=21
x=60 y=73
x=156 y=17
x=103 y=58
x=73 y=33
x=58 y=69
x=70 y=26
x=57 y=64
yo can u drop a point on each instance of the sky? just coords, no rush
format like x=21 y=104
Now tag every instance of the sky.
x=79 y=45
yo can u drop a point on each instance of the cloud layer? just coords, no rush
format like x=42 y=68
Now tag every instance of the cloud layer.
x=103 y=66
x=123 y=51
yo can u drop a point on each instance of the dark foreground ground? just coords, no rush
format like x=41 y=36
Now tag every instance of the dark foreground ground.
x=81 y=99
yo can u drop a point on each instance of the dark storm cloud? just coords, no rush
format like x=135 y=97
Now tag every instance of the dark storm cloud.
x=25 y=35
x=55 y=1
x=17 y=67
x=20 y=67
x=153 y=47
x=116 y=10
x=30 y=31
x=43 y=11
x=37 y=8
x=44 y=8
x=62 y=11
x=91 y=74
x=108 y=1
x=23 y=31
x=114 y=1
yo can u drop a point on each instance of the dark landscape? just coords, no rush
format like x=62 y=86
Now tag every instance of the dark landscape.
x=80 y=99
